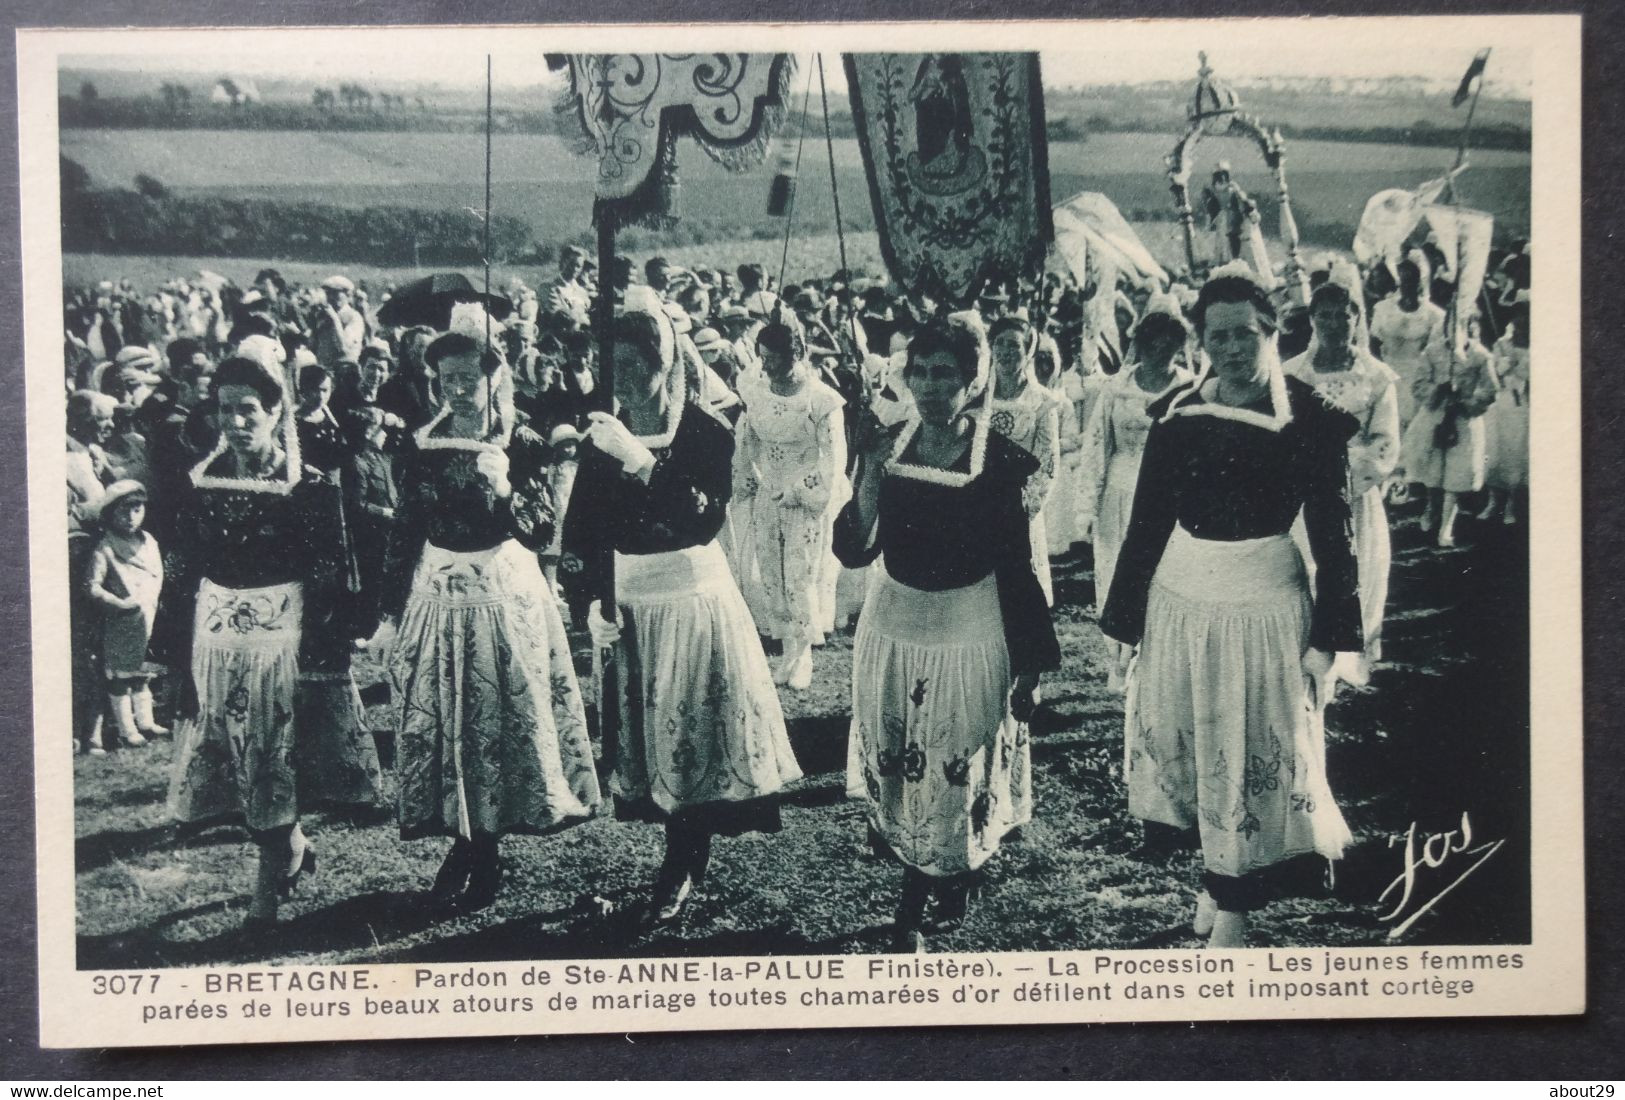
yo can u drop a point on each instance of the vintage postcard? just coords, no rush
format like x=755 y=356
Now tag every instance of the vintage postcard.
x=1069 y=521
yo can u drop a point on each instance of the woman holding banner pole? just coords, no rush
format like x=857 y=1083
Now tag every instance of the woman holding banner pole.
x=954 y=632
x=701 y=745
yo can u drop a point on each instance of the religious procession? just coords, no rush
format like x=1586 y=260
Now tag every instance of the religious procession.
x=483 y=564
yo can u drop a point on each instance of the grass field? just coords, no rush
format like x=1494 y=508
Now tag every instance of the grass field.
x=541 y=180
x=814 y=253
x=1443 y=730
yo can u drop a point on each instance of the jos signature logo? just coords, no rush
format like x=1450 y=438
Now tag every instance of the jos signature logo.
x=1425 y=855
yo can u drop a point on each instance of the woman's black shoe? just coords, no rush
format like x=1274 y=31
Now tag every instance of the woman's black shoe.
x=453 y=874
x=953 y=904
x=485 y=877
x=907 y=937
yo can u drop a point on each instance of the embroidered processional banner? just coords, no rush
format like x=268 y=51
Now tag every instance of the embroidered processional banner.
x=632 y=108
x=954 y=148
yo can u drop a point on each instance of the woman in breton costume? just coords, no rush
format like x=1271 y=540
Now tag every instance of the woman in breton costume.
x=1404 y=326
x=790 y=469
x=491 y=731
x=1114 y=439
x=1350 y=378
x=1506 y=425
x=1444 y=445
x=701 y=747
x=1065 y=504
x=1225 y=708
x=954 y=633
x=1027 y=414
x=253 y=606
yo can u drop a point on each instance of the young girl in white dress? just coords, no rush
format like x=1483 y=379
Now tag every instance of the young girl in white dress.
x=1029 y=415
x=1114 y=439
x=1065 y=504
x=1403 y=327
x=1444 y=444
x=790 y=468
x=1506 y=425
x=1350 y=378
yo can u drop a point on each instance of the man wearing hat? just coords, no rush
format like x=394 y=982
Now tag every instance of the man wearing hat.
x=875 y=318
x=737 y=325
x=808 y=307
x=366 y=390
x=133 y=376
x=340 y=331
x=753 y=292
x=131 y=380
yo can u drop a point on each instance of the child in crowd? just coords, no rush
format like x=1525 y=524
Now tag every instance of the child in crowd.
x=126 y=575
x=561 y=475
x=370 y=496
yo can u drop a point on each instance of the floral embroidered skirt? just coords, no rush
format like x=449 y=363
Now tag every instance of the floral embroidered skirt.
x=491 y=729
x=336 y=757
x=237 y=757
x=793 y=553
x=943 y=768
x=700 y=717
x=1220 y=732
x=738 y=541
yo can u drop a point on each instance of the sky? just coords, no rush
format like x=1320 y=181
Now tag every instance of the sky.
x=1109 y=54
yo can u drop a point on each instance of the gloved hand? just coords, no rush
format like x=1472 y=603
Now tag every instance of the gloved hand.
x=616 y=440
x=382 y=642
x=1319 y=678
x=1125 y=661
x=604 y=632
x=493 y=467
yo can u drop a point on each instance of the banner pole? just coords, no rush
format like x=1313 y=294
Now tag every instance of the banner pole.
x=1467 y=130
x=603 y=321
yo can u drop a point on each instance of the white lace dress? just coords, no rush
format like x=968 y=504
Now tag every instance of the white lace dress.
x=1032 y=421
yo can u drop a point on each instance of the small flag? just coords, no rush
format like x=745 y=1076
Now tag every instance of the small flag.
x=1465 y=89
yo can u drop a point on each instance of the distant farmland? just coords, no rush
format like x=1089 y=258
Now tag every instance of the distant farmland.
x=541 y=180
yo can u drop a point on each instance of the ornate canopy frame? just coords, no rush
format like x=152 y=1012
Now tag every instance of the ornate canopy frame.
x=1215 y=111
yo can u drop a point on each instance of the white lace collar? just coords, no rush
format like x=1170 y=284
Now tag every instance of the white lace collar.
x=281 y=486
x=428 y=441
x=1125 y=380
x=933 y=475
x=1205 y=388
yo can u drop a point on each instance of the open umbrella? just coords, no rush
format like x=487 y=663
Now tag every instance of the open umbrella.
x=428 y=301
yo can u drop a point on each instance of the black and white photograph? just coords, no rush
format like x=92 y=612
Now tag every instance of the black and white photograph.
x=1060 y=507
